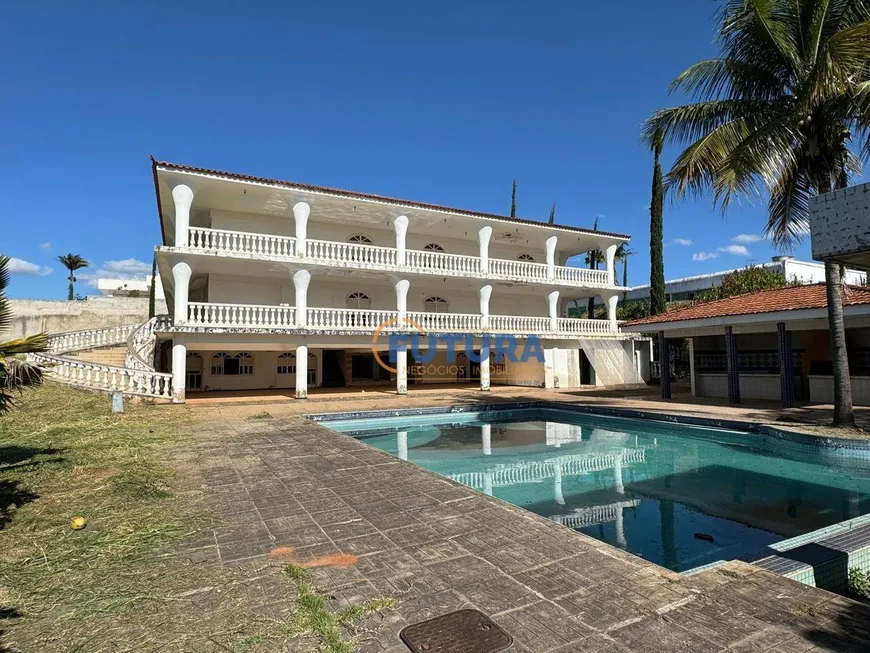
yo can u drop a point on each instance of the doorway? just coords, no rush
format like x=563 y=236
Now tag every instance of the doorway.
x=587 y=372
x=333 y=369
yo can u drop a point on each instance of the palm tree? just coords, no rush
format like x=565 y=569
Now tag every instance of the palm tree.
x=72 y=262
x=622 y=254
x=14 y=372
x=781 y=110
x=593 y=258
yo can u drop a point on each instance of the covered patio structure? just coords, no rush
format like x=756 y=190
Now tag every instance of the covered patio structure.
x=765 y=345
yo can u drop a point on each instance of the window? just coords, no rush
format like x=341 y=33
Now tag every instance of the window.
x=358 y=300
x=240 y=364
x=287 y=363
x=436 y=305
x=360 y=239
x=193 y=372
x=312 y=369
x=525 y=257
x=433 y=247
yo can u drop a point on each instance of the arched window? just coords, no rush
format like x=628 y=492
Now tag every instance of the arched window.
x=193 y=372
x=525 y=257
x=358 y=300
x=436 y=305
x=240 y=364
x=287 y=363
x=360 y=239
x=434 y=247
x=312 y=369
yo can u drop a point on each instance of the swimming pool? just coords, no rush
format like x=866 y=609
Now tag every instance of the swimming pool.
x=678 y=495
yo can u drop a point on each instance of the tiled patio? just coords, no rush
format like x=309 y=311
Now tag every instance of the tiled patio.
x=436 y=546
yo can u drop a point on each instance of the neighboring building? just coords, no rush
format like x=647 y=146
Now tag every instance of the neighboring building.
x=772 y=344
x=687 y=288
x=273 y=284
x=840 y=226
x=131 y=287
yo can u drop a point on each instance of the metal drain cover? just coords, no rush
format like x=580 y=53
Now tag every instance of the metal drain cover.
x=463 y=631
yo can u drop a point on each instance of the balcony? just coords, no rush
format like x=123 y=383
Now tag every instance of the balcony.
x=223 y=242
x=251 y=317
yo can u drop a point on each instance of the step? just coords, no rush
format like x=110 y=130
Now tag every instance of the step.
x=116 y=356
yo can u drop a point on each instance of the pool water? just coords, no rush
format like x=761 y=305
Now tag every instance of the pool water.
x=680 y=496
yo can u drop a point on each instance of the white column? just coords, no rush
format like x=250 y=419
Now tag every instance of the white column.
x=179 y=368
x=692 y=365
x=400 y=224
x=618 y=485
x=402 y=286
x=557 y=484
x=181 y=273
x=620 y=527
x=484 y=368
x=486 y=439
x=302 y=371
x=611 y=301
x=485 y=293
x=609 y=255
x=487 y=483
x=551 y=257
x=553 y=304
x=402 y=369
x=402 y=444
x=301 y=211
x=483 y=237
x=301 y=279
x=182 y=196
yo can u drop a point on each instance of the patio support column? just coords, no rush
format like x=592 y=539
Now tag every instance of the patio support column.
x=484 y=365
x=302 y=371
x=611 y=301
x=665 y=365
x=558 y=496
x=402 y=369
x=301 y=211
x=179 y=368
x=609 y=258
x=301 y=279
x=401 y=226
x=181 y=273
x=486 y=439
x=402 y=444
x=731 y=363
x=550 y=247
x=182 y=196
x=553 y=304
x=483 y=237
x=485 y=293
x=692 y=365
x=402 y=286
x=786 y=375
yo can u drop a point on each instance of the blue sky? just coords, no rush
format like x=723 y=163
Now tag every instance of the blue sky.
x=439 y=102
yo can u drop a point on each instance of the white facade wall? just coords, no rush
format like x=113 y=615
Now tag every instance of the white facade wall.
x=840 y=224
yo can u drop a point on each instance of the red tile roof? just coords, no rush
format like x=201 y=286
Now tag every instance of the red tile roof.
x=791 y=298
x=368 y=196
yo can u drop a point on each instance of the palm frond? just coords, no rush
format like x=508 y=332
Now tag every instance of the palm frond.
x=715 y=79
x=788 y=208
x=5 y=310
x=28 y=345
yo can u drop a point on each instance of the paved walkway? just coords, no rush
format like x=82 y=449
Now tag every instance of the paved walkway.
x=436 y=546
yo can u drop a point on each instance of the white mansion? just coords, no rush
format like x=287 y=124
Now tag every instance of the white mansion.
x=273 y=284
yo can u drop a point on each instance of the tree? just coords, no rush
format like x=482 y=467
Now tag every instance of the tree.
x=593 y=258
x=152 y=292
x=622 y=254
x=14 y=372
x=780 y=110
x=750 y=279
x=552 y=219
x=658 y=297
x=514 y=199
x=72 y=262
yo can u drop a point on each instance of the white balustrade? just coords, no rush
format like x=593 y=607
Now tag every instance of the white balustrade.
x=107 y=378
x=353 y=254
x=517 y=270
x=241 y=242
x=574 y=326
x=518 y=324
x=351 y=318
x=442 y=263
x=252 y=316
x=62 y=343
x=446 y=322
x=581 y=276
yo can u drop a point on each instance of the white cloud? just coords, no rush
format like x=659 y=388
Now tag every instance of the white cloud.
x=683 y=241
x=26 y=268
x=704 y=256
x=45 y=246
x=746 y=239
x=123 y=270
x=734 y=250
